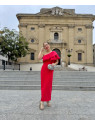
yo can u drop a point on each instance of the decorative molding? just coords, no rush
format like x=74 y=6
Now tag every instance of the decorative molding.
x=41 y=25
x=79 y=37
x=59 y=43
x=80 y=51
x=89 y=26
x=22 y=25
x=71 y=26
x=32 y=50
x=55 y=29
x=35 y=40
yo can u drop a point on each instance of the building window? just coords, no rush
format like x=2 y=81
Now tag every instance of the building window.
x=79 y=56
x=32 y=28
x=55 y=36
x=79 y=41
x=79 y=29
x=32 y=40
x=32 y=56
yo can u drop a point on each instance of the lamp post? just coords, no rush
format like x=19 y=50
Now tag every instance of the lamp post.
x=69 y=55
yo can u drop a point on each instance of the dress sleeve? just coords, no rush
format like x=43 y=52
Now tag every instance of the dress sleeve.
x=55 y=56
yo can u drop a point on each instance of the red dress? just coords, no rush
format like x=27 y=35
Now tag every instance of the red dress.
x=47 y=75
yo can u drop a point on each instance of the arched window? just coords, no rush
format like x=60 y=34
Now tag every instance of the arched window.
x=56 y=36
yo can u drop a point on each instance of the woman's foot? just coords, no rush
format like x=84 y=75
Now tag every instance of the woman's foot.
x=48 y=104
x=41 y=106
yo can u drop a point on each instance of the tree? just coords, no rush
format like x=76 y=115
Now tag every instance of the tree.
x=12 y=44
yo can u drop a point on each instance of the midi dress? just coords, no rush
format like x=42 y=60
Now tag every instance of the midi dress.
x=47 y=75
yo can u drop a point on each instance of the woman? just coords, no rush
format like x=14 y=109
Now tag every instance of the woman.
x=51 y=57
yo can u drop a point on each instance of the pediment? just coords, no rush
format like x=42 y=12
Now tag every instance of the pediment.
x=56 y=11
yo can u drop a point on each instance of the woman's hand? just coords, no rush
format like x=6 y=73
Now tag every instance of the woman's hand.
x=40 y=55
x=53 y=64
x=42 y=49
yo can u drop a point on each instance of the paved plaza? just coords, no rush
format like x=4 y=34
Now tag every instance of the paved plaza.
x=66 y=105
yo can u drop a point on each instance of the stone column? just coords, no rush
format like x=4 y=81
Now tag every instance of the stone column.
x=71 y=41
x=89 y=44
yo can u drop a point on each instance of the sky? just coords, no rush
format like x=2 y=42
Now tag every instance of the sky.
x=8 y=13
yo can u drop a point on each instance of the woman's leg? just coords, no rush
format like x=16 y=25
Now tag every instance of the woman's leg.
x=48 y=104
x=41 y=106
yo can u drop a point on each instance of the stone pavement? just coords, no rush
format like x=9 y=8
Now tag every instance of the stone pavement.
x=66 y=105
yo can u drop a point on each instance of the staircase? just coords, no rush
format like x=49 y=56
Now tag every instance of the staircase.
x=62 y=80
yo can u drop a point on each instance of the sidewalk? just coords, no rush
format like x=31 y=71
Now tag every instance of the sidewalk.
x=66 y=105
x=77 y=66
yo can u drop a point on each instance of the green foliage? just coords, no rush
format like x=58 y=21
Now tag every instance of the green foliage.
x=12 y=44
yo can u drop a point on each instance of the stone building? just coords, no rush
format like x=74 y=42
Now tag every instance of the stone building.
x=94 y=54
x=63 y=29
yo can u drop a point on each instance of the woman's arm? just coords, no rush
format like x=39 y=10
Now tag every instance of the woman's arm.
x=40 y=55
x=53 y=64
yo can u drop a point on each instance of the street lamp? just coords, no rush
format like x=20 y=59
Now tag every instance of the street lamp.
x=69 y=55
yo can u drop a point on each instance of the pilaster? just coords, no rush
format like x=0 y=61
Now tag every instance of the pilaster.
x=89 y=29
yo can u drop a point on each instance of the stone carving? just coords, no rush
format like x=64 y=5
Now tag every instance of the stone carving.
x=57 y=11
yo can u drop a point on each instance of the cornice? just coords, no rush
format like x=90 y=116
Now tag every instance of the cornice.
x=41 y=25
x=89 y=26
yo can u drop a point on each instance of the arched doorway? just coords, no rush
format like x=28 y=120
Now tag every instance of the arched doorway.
x=59 y=54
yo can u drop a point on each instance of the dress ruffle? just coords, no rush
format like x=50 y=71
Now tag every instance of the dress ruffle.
x=51 y=56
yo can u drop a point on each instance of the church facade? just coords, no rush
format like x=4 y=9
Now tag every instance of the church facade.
x=67 y=33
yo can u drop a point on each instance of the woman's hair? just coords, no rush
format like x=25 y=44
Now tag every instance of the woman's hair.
x=45 y=42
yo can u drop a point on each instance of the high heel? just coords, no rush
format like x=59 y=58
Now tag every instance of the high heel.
x=48 y=104
x=41 y=106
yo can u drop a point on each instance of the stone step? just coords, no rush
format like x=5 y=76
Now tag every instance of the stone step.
x=62 y=80
x=38 y=72
x=60 y=83
x=81 y=79
x=54 y=87
x=55 y=75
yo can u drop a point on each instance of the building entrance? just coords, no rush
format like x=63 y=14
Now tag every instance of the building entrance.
x=59 y=54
